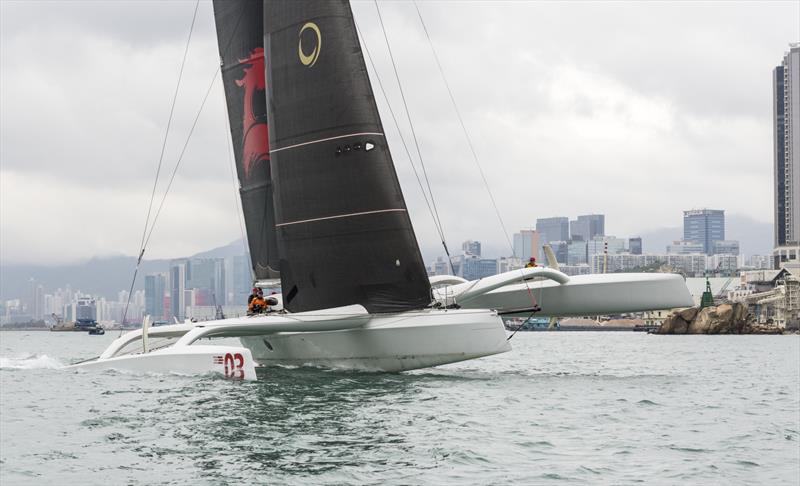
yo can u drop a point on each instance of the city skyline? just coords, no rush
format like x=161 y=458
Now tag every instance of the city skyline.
x=108 y=119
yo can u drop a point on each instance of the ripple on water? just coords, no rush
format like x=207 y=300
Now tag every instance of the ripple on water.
x=531 y=416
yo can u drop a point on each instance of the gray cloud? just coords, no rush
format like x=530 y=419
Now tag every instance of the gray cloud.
x=638 y=110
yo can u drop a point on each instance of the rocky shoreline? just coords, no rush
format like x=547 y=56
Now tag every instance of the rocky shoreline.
x=722 y=319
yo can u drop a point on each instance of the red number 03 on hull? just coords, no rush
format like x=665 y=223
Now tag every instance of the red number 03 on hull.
x=233 y=364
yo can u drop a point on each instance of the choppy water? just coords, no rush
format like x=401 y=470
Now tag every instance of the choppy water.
x=562 y=408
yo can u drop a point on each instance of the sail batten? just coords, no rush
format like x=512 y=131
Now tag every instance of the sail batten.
x=343 y=230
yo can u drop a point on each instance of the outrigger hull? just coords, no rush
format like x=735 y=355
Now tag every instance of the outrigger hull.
x=558 y=294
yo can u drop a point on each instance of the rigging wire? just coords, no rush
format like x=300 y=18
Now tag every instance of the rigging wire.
x=161 y=160
x=169 y=124
x=180 y=157
x=464 y=129
x=402 y=138
x=146 y=239
x=477 y=161
x=169 y=186
x=414 y=136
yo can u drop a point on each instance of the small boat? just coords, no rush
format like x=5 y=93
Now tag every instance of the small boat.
x=97 y=331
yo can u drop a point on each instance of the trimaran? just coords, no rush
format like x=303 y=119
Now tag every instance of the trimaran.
x=325 y=214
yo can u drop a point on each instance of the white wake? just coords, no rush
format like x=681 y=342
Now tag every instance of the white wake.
x=29 y=362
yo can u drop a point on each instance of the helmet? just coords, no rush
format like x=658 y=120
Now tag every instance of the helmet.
x=255 y=290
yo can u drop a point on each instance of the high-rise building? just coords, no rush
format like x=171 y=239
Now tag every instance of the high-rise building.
x=560 y=250
x=553 y=229
x=786 y=136
x=704 y=226
x=154 y=289
x=242 y=279
x=526 y=244
x=179 y=272
x=683 y=247
x=576 y=252
x=588 y=226
x=726 y=247
x=635 y=245
x=471 y=247
x=208 y=275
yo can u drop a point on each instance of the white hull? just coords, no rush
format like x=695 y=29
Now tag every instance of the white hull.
x=578 y=295
x=345 y=338
x=229 y=361
x=396 y=342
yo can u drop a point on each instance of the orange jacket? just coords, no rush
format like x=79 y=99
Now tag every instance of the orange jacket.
x=258 y=304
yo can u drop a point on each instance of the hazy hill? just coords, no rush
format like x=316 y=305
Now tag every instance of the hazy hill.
x=98 y=276
x=107 y=276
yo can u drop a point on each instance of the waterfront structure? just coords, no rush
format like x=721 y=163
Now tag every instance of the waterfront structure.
x=471 y=247
x=786 y=136
x=683 y=247
x=625 y=262
x=635 y=245
x=587 y=226
x=526 y=244
x=704 y=226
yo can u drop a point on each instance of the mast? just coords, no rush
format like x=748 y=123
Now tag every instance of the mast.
x=240 y=37
x=343 y=230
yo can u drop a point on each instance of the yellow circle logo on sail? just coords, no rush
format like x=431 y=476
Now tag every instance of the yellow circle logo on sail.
x=310 y=59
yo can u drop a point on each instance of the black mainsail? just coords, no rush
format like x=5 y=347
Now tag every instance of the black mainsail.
x=240 y=36
x=344 y=234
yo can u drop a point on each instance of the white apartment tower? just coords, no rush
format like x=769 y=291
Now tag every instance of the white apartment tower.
x=786 y=134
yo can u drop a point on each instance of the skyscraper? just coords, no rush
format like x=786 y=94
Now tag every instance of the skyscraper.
x=553 y=229
x=471 y=247
x=588 y=226
x=786 y=135
x=635 y=245
x=179 y=272
x=704 y=226
x=526 y=244
x=154 y=288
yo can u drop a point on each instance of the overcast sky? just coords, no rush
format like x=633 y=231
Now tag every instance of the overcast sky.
x=635 y=110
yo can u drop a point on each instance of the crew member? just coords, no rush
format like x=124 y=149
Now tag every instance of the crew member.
x=253 y=295
x=531 y=263
x=257 y=304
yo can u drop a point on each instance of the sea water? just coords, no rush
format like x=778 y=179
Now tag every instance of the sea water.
x=561 y=408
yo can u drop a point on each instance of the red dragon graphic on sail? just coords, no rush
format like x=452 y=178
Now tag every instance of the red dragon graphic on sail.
x=255 y=136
